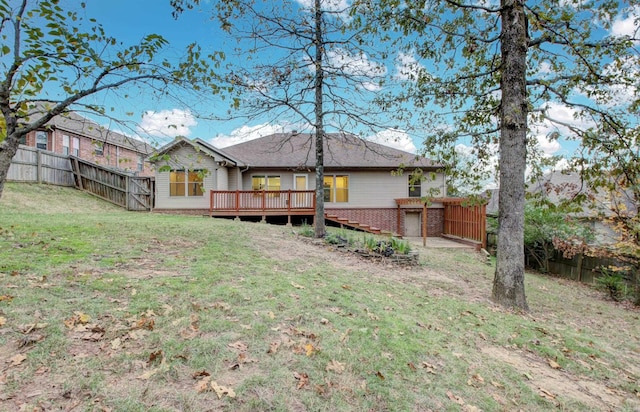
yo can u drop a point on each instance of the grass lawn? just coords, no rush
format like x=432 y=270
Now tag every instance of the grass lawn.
x=102 y=309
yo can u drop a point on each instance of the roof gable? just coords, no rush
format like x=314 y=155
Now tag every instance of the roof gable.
x=198 y=145
x=341 y=150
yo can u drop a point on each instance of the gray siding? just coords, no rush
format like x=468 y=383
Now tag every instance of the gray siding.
x=186 y=158
x=370 y=189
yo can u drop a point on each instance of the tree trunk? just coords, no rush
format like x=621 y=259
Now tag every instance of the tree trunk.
x=8 y=149
x=319 y=126
x=508 y=284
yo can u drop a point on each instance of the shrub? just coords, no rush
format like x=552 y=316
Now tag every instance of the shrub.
x=307 y=230
x=613 y=283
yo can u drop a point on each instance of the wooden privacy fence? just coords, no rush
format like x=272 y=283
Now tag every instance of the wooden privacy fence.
x=41 y=166
x=120 y=188
x=465 y=221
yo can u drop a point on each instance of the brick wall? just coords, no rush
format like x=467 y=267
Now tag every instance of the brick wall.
x=113 y=156
x=387 y=219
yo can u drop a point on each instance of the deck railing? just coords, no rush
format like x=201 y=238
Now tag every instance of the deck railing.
x=255 y=201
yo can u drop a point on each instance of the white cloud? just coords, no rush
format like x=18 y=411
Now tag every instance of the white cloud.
x=341 y=61
x=397 y=139
x=557 y=122
x=246 y=133
x=626 y=24
x=167 y=123
x=544 y=68
x=408 y=67
x=328 y=5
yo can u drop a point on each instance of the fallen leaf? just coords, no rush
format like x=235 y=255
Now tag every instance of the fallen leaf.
x=148 y=374
x=154 y=356
x=335 y=366
x=297 y=286
x=273 y=347
x=309 y=349
x=17 y=359
x=412 y=366
x=246 y=327
x=8 y=298
x=497 y=384
x=200 y=374
x=324 y=321
x=203 y=384
x=239 y=345
x=271 y=315
x=380 y=375
x=455 y=398
x=222 y=390
x=3 y=321
x=144 y=323
x=429 y=367
x=347 y=287
x=303 y=379
x=554 y=364
x=116 y=343
x=546 y=394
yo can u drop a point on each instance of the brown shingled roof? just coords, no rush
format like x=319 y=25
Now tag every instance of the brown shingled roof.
x=297 y=150
x=72 y=122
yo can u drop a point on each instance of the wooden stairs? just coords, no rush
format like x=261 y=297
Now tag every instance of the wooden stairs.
x=344 y=222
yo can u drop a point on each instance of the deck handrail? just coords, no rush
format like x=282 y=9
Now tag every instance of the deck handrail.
x=261 y=200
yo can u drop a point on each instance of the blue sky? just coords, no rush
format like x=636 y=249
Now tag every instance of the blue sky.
x=130 y=20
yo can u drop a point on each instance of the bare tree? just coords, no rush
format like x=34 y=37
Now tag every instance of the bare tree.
x=302 y=63
x=46 y=48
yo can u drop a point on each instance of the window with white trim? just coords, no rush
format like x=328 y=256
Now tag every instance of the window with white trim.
x=76 y=146
x=265 y=182
x=183 y=183
x=415 y=186
x=98 y=148
x=42 y=140
x=65 y=144
x=336 y=188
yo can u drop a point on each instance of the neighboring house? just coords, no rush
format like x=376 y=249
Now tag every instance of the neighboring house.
x=361 y=181
x=72 y=134
x=557 y=187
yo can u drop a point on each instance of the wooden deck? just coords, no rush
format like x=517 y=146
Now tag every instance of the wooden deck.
x=262 y=203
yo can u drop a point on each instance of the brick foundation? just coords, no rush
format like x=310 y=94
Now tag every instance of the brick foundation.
x=387 y=219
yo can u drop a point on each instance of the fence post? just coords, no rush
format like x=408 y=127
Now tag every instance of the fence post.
x=126 y=192
x=39 y=166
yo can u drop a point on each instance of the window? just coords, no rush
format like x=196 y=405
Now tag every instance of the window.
x=265 y=182
x=140 y=163
x=99 y=148
x=336 y=188
x=42 y=140
x=415 y=186
x=183 y=183
x=76 y=146
x=65 y=144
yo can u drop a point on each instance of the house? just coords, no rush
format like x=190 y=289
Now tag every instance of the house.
x=72 y=134
x=275 y=175
x=596 y=211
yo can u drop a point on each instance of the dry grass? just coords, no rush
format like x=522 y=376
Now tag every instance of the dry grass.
x=102 y=309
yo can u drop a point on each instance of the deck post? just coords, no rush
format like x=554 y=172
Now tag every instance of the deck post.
x=424 y=224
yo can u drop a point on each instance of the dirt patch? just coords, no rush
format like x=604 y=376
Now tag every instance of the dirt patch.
x=556 y=385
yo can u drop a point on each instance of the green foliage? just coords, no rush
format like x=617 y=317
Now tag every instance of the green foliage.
x=48 y=47
x=545 y=225
x=613 y=283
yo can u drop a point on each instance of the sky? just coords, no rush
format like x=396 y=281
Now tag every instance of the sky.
x=159 y=121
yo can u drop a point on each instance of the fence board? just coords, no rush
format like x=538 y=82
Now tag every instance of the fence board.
x=117 y=187
x=40 y=166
